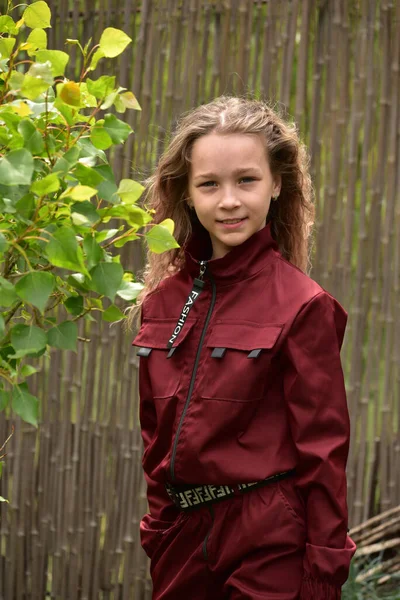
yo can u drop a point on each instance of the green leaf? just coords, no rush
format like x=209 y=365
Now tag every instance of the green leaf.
x=74 y=305
x=37 y=14
x=109 y=100
x=25 y=405
x=79 y=193
x=160 y=239
x=42 y=71
x=35 y=288
x=16 y=82
x=27 y=339
x=47 y=185
x=63 y=336
x=129 y=290
x=3 y=243
x=37 y=39
x=117 y=130
x=113 y=42
x=6 y=47
x=106 y=189
x=94 y=252
x=26 y=206
x=87 y=175
x=7 y=293
x=86 y=210
x=79 y=282
x=63 y=251
x=168 y=224
x=95 y=59
x=4 y=396
x=135 y=216
x=100 y=138
x=28 y=370
x=129 y=191
x=56 y=58
x=106 y=279
x=125 y=240
x=33 y=140
x=16 y=168
x=32 y=87
x=106 y=234
x=101 y=87
x=113 y=314
x=67 y=161
x=7 y=25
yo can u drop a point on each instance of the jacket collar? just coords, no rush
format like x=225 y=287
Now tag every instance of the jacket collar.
x=239 y=263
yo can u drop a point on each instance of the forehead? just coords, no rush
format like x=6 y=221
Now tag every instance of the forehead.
x=227 y=151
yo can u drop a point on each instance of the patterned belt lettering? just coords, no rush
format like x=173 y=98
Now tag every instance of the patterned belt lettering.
x=191 y=497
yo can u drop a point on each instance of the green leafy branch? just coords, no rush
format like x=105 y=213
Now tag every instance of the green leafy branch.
x=63 y=216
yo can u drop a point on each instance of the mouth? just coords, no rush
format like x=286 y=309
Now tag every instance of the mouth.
x=231 y=223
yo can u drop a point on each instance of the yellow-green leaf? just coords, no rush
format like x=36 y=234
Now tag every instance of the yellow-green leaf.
x=129 y=100
x=113 y=42
x=79 y=192
x=56 y=58
x=70 y=93
x=169 y=225
x=95 y=59
x=47 y=185
x=33 y=87
x=129 y=191
x=6 y=46
x=37 y=14
x=160 y=239
x=37 y=39
x=21 y=109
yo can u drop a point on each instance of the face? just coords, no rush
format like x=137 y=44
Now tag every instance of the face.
x=230 y=187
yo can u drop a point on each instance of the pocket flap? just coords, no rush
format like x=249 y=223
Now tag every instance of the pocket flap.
x=155 y=333
x=244 y=335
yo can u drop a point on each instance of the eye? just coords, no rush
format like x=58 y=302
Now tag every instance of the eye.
x=207 y=184
x=248 y=179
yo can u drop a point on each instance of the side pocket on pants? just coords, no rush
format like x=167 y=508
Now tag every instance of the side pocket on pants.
x=153 y=531
x=292 y=500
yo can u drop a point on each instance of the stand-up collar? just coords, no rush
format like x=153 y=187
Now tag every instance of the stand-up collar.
x=239 y=263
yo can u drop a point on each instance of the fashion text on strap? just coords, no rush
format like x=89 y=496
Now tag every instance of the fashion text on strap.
x=198 y=285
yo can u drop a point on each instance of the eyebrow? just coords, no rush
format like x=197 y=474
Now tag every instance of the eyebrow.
x=240 y=171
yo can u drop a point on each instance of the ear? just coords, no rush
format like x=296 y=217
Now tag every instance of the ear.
x=277 y=185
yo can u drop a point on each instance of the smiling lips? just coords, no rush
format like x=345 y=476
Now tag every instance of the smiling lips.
x=231 y=223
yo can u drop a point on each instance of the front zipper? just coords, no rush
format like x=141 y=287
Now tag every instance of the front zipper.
x=205 y=551
x=203 y=267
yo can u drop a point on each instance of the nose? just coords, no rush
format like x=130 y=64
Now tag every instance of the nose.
x=229 y=199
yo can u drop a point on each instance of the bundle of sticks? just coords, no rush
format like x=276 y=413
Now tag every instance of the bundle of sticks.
x=380 y=535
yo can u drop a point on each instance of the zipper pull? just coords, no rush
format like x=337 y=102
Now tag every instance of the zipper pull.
x=198 y=285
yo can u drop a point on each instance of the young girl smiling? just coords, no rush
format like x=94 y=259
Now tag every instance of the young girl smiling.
x=242 y=399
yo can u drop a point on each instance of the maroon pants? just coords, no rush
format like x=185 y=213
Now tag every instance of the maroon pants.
x=248 y=547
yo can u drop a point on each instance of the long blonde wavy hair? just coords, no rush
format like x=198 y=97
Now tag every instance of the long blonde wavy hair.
x=291 y=216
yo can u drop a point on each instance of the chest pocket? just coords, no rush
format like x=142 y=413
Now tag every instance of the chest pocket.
x=165 y=368
x=239 y=356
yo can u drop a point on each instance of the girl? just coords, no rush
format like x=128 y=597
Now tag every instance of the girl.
x=243 y=407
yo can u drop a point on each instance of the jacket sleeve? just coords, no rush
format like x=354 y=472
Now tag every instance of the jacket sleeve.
x=160 y=505
x=319 y=422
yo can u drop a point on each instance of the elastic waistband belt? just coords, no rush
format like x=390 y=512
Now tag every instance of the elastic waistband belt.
x=190 y=497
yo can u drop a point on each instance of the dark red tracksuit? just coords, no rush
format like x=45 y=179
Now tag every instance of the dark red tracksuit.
x=238 y=419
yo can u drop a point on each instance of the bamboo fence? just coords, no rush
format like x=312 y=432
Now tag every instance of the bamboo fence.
x=75 y=486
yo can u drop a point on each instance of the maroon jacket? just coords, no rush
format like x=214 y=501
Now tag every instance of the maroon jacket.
x=253 y=386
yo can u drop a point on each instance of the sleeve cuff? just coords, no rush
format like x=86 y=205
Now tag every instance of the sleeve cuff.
x=331 y=565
